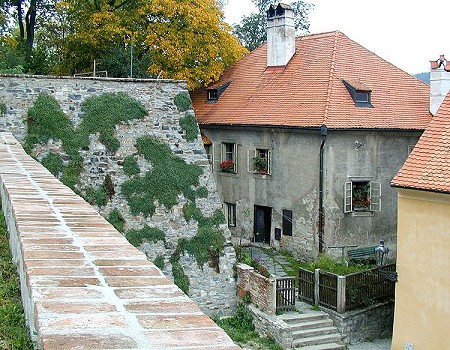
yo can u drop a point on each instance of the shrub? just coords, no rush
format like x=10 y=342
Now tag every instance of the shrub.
x=146 y=234
x=183 y=101
x=53 y=163
x=131 y=166
x=189 y=124
x=116 y=219
x=159 y=262
x=96 y=196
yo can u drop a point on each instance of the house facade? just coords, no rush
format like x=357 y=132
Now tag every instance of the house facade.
x=304 y=136
x=422 y=302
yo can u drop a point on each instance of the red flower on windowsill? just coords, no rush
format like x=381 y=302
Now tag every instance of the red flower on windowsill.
x=227 y=166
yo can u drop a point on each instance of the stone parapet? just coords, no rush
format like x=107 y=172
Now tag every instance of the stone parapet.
x=83 y=285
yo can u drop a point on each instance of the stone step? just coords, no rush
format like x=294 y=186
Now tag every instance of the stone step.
x=296 y=326
x=312 y=332
x=316 y=340
x=303 y=317
x=327 y=346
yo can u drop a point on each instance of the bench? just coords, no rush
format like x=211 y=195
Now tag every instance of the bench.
x=362 y=253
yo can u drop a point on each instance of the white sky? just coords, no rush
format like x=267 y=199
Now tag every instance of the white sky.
x=407 y=33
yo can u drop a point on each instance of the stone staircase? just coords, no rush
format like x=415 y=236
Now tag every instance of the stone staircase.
x=313 y=330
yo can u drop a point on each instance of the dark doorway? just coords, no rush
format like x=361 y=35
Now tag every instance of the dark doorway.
x=263 y=221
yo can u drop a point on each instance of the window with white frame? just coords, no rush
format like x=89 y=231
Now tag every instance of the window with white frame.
x=260 y=161
x=231 y=214
x=362 y=195
x=228 y=158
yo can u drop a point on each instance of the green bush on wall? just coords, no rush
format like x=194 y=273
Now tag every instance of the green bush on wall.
x=145 y=234
x=2 y=109
x=130 y=165
x=189 y=124
x=116 y=219
x=53 y=163
x=183 y=101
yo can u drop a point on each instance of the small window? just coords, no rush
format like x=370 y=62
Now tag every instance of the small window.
x=228 y=159
x=213 y=93
x=231 y=214
x=287 y=222
x=260 y=161
x=362 y=196
x=360 y=94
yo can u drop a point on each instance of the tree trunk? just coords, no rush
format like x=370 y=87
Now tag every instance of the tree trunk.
x=30 y=21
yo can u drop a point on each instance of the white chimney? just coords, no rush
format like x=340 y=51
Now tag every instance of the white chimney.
x=280 y=35
x=439 y=82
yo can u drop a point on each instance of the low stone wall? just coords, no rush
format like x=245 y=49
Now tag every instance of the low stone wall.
x=374 y=322
x=262 y=290
x=83 y=285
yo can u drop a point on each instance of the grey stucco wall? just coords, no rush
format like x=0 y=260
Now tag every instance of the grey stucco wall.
x=294 y=183
x=214 y=292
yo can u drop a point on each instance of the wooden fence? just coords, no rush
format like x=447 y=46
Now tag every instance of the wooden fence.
x=345 y=293
x=285 y=294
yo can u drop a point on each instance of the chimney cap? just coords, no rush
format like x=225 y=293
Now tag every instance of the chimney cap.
x=277 y=10
x=441 y=62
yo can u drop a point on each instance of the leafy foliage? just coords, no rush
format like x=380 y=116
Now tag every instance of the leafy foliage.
x=183 y=101
x=116 y=219
x=189 y=124
x=159 y=262
x=2 y=109
x=104 y=112
x=145 y=234
x=13 y=331
x=96 y=196
x=169 y=177
x=53 y=163
x=337 y=266
x=251 y=32
x=179 y=277
x=130 y=165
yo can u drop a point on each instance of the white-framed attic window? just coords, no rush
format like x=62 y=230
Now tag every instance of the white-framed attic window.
x=362 y=195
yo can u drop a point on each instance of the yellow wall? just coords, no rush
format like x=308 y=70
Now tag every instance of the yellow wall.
x=422 y=297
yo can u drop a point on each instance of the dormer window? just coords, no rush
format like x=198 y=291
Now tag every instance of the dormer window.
x=360 y=94
x=214 y=92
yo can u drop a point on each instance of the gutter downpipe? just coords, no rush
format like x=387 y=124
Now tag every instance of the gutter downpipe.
x=323 y=133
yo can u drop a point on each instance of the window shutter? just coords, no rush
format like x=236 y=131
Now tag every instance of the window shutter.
x=251 y=153
x=375 y=196
x=269 y=162
x=348 y=207
x=235 y=157
x=218 y=156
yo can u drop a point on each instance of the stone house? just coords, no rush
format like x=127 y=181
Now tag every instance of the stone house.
x=312 y=130
x=422 y=303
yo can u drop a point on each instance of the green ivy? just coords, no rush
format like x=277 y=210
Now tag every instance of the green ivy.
x=169 y=177
x=131 y=166
x=53 y=163
x=13 y=330
x=2 y=109
x=102 y=113
x=179 y=277
x=189 y=124
x=183 y=101
x=71 y=173
x=116 y=219
x=96 y=196
x=146 y=234
x=159 y=262
x=46 y=120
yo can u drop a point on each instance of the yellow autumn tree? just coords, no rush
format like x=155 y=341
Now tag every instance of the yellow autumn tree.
x=175 y=39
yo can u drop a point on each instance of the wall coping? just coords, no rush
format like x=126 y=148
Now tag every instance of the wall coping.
x=83 y=285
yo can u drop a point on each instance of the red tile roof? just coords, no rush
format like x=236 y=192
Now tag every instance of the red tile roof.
x=309 y=91
x=428 y=165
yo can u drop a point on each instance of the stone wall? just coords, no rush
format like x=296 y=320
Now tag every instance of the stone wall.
x=262 y=290
x=373 y=322
x=213 y=291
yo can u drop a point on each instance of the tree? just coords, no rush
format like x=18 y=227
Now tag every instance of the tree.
x=251 y=32
x=175 y=39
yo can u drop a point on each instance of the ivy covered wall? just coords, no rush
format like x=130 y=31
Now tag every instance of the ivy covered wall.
x=132 y=149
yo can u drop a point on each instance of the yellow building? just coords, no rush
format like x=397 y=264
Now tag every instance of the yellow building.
x=422 y=300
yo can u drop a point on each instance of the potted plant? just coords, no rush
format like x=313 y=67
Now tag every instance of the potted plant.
x=260 y=164
x=227 y=166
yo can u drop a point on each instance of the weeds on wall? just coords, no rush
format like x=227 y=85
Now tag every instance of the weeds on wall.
x=102 y=113
x=179 y=277
x=169 y=177
x=188 y=124
x=183 y=101
x=13 y=330
x=96 y=196
x=116 y=219
x=53 y=163
x=159 y=262
x=2 y=109
x=130 y=165
x=145 y=234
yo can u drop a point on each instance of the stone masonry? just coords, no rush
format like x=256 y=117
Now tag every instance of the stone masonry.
x=83 y=285
x=214 y=292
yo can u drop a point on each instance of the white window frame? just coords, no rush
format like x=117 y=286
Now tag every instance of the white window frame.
x=374 y=196
x=234 y=155
x=256 y=152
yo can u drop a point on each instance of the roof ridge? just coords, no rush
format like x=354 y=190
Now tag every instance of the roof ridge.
x=330 y=79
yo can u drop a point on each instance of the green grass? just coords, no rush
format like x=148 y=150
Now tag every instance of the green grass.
x=336 y=266
x=13 y=332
